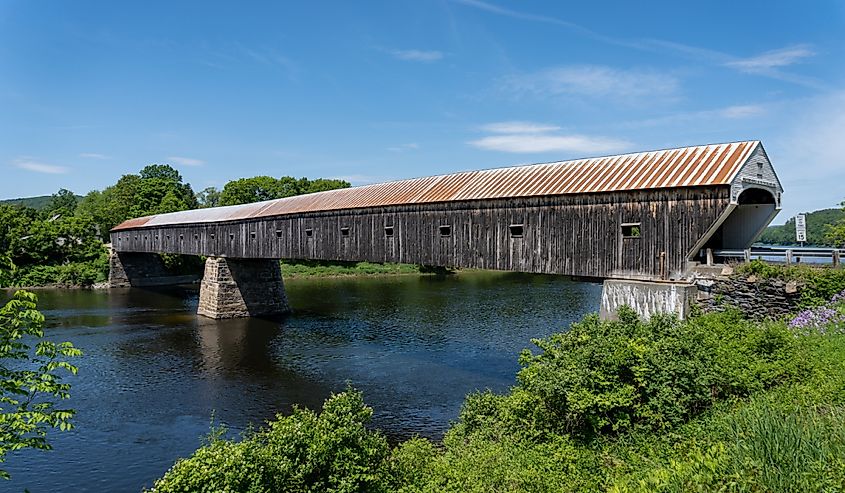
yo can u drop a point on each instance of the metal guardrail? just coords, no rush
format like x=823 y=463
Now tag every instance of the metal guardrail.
x=787 y=255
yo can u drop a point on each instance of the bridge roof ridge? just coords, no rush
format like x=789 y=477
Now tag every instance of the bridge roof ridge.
x=640 y=170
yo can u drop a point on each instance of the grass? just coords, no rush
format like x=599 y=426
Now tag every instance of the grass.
x=320 y=268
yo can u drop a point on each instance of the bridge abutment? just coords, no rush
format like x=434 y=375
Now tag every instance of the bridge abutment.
x=127 y=269
x=647 y=298
x=233 y=288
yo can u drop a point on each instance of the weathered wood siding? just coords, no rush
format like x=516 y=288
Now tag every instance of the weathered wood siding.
x=577 y=235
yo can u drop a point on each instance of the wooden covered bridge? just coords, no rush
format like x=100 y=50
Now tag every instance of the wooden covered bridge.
x=647 y=216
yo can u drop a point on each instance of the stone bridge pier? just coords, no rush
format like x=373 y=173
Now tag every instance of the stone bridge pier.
x=233 y=288
x=133 y=269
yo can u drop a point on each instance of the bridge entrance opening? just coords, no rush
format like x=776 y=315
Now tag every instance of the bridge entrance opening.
x=754 y=210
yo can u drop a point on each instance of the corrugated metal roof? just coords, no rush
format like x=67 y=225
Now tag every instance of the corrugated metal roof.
x=706 y=165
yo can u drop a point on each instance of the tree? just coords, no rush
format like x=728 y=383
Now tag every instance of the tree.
x=260 y=188
x=324 y=184
x=30 y=378
x=161 y=171
x=209 y=197
x=63 y=202
x=835 y=233
x=157 y=189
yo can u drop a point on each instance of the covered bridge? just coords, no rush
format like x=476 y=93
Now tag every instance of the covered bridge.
x=648 y=215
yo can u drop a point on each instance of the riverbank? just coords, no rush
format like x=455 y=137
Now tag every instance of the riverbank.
x=714 y=403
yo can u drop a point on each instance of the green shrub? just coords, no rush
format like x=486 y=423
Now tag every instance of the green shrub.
x=607 y=377
x=71 y=274
x=818 y=284
x=332 y=452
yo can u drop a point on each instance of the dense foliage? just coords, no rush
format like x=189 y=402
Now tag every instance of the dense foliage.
x=818 y=223
x=715 y=403
x=819 y=284
x=835 y=232
x=62 y=241
x=332 y=451
x=259 y=188
x=30 y=378
x=53 y=245
x=156 y=189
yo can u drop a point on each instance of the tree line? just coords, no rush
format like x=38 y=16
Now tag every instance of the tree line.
x=824 y=228
x=63 y=242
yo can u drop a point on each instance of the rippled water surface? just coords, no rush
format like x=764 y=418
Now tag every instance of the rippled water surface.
x=153 y=372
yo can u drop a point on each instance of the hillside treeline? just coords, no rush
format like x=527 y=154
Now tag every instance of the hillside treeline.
x=819 y=230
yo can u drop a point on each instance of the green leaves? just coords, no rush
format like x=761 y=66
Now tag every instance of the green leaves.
x=259 y=188
x=604 y=378
x=30 y=378
x=332 y=451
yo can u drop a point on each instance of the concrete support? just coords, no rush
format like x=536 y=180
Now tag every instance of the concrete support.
x=141 y=270
x=234 y=288
x=647 y=298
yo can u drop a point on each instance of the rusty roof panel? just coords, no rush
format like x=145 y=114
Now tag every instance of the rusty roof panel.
x=689 y=166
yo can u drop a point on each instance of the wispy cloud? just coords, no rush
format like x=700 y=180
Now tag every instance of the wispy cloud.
x=30 y=164
x=411 y=146
x=595 y=81
x=186 y=161
x=515 y=127
x=772 y=59
x=527 y=137
x=736 y=112
x=417 y=55
x=765 y=64
x=94 y=155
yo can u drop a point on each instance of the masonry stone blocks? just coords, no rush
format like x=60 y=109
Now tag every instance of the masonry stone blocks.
x=233 y=288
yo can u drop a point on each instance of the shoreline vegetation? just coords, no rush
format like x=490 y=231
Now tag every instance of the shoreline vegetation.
x=291 y=269
x=713 y=403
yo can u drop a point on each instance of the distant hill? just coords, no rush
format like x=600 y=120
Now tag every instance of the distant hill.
x=39 y=202
x=816 y=222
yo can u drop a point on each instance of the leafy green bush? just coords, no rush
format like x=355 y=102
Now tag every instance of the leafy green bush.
x=332 y=452
x=607 y=377
x=71 y=274
x=818 y=284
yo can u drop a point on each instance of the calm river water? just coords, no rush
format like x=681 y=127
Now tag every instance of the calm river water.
x=153 y=372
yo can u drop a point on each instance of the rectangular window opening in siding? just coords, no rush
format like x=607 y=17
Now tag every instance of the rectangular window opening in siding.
x=516 y=230
x=388 y=231
x=211 y=235
x=181 y=237
x=278 y=233
x=252 y=235
x=445 y=230
x=631 y=230
x=168 y=237
x=344 y=231
x=231 y=236
x=309 y=232
x=196 y=236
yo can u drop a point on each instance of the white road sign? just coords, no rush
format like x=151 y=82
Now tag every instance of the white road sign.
x=801 y=227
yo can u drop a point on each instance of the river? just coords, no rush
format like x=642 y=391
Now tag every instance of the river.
x=153 y=373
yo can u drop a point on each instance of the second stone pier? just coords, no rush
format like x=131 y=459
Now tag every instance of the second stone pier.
x=233 y=288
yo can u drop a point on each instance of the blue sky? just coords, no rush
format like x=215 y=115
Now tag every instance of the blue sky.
x=373 y=91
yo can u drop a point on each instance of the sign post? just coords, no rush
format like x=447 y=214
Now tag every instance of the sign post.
x=801 y=228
